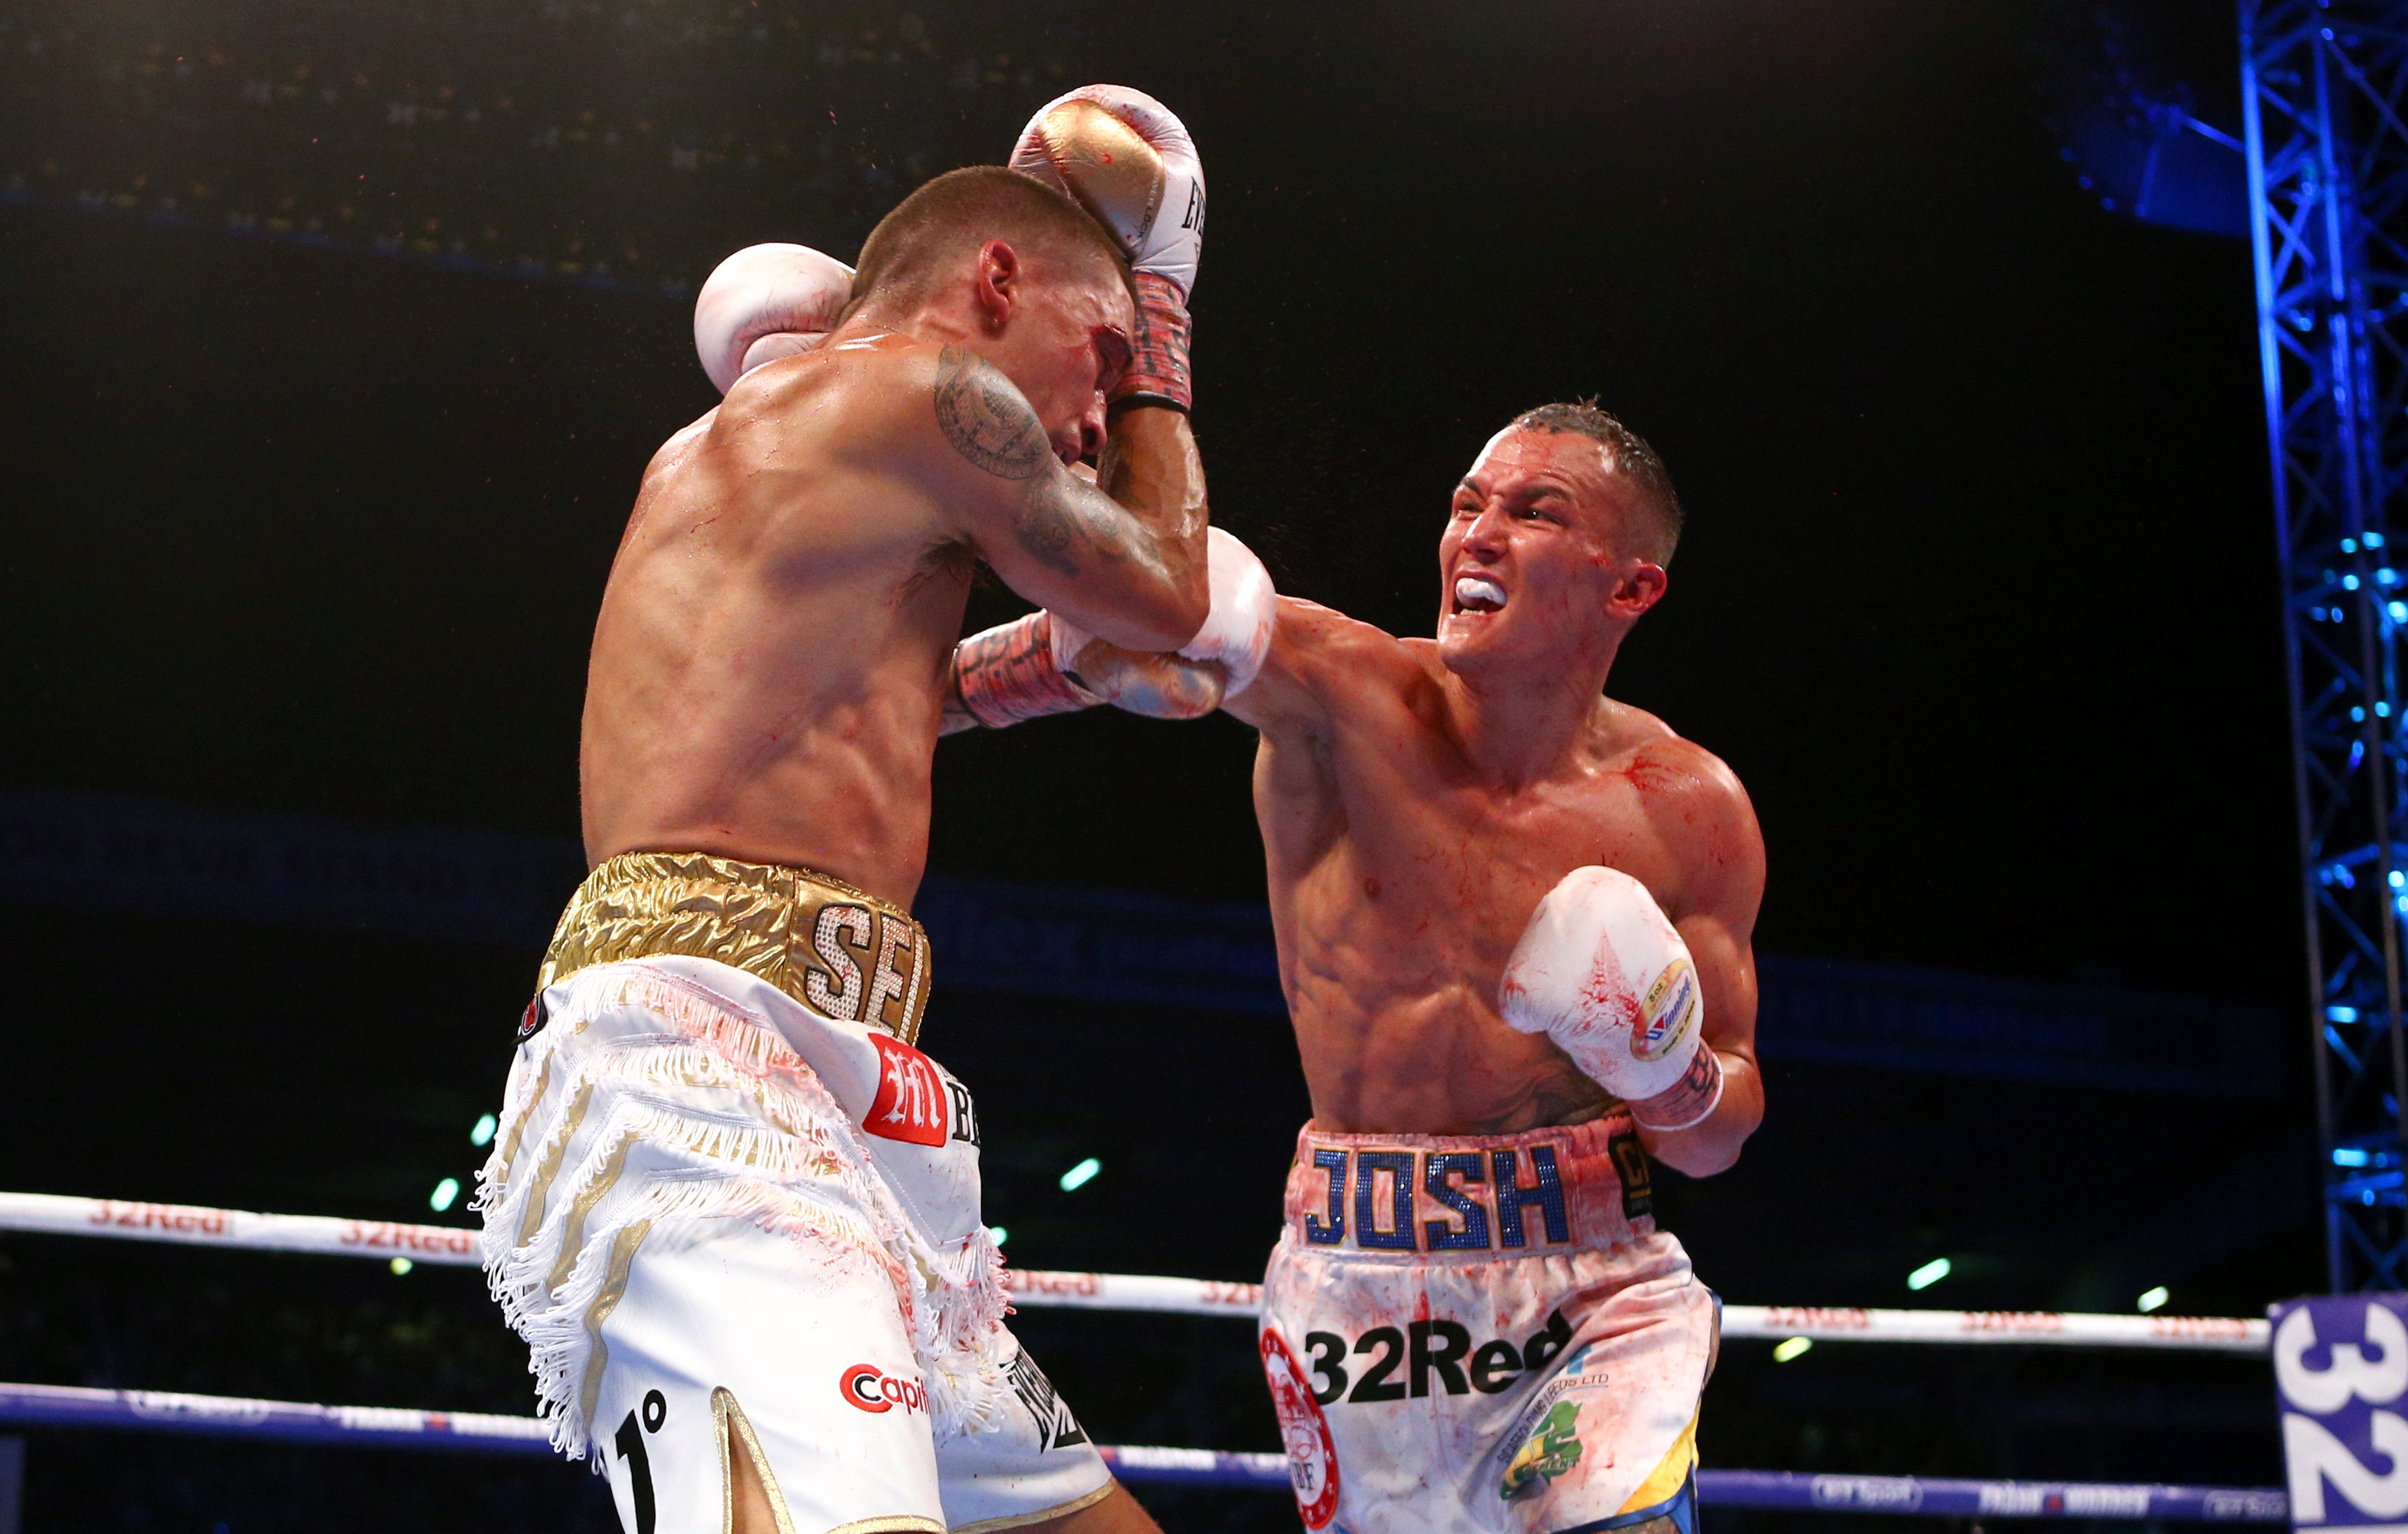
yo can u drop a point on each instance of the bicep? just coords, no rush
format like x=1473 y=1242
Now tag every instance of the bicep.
x=1720 y=925
x=1726 y=964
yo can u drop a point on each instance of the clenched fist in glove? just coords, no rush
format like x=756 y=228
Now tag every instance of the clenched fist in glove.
x=1128 y=161
x=764 y=302
x=1043 y=663
x=1601 y=972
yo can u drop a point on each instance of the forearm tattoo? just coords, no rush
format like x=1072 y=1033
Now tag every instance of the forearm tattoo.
x=988 y=422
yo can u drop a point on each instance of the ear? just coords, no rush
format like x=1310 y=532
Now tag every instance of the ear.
x=1641 y=586
x=997 y=284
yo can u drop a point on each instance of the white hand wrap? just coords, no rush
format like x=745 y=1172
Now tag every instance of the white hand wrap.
x=764 y=302
x=1238 y=632
x=1601 y=972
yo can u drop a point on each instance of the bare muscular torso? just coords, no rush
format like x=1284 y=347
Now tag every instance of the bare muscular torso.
x=1401 y=879
x=767 y=668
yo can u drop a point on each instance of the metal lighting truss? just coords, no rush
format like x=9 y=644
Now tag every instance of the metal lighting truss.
x=2322 y=88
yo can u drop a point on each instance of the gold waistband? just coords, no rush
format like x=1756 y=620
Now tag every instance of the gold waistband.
x=825 y=943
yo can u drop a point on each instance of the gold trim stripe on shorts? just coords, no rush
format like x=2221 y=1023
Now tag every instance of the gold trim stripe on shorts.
x=831 y=947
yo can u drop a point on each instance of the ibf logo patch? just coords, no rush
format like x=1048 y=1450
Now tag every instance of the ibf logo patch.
x=1056 y=1428
x=1665 y=1017
x=1312 y=1449
x=911 y=1094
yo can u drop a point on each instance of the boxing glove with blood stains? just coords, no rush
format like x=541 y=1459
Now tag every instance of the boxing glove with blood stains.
x=1601 y=972
x=767 y=302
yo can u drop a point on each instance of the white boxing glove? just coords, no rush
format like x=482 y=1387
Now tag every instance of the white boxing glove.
x=1128 y=161
x=767 y=302
x=1601 y=972
x=1237 y=631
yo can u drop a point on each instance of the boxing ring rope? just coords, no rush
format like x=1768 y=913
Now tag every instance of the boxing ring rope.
x=388 y=1426
x=298 y=1421
x=1034 y=1288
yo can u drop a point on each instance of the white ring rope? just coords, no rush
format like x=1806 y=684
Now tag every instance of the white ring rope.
x=193 y=1224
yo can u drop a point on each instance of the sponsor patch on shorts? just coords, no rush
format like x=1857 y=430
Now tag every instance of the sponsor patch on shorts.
x=1056 y=1428
x=1304 y=1432
x=866 y=1387
x=1553 y=1448
x=912 y=1096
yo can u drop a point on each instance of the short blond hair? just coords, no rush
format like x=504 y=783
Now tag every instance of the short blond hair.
x=960 y=210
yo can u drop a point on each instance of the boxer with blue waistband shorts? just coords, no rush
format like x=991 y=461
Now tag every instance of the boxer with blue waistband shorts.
x=1514 y=920
x=733 y=1208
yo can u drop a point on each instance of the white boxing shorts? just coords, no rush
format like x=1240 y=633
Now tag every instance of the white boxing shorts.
x=1485 y=1333
x=733 y=1211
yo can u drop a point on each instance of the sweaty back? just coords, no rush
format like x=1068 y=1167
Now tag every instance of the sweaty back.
x=767 y=667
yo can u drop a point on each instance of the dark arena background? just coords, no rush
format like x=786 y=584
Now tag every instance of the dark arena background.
x=334 y=337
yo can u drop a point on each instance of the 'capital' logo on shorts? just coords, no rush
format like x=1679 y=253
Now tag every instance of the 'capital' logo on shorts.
x=865 y=1388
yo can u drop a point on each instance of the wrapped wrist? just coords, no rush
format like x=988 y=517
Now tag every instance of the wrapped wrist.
x=1010 y=673
x=1158 y=371
x=1688 y=1103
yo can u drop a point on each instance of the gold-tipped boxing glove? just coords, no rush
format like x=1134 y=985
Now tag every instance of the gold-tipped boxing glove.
x=764 y=302
x=1132 y=164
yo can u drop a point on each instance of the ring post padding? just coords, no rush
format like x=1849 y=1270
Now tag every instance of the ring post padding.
x=298 y=1421
x=1036 y=1288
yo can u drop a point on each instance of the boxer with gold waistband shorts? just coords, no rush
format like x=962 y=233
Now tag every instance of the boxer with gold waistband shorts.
x=1513 y=919
x=733 y=1209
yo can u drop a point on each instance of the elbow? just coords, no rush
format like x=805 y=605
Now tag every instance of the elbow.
x=1173 y=622
x=1699 y=1160
x=1192 y=612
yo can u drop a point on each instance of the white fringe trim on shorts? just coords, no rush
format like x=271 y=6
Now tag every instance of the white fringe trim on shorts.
x=726 y=1121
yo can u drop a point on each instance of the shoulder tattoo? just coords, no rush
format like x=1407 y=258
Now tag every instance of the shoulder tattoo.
x=986 y=419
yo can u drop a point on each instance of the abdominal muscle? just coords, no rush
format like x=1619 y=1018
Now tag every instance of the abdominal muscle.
x=1397 y=1039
